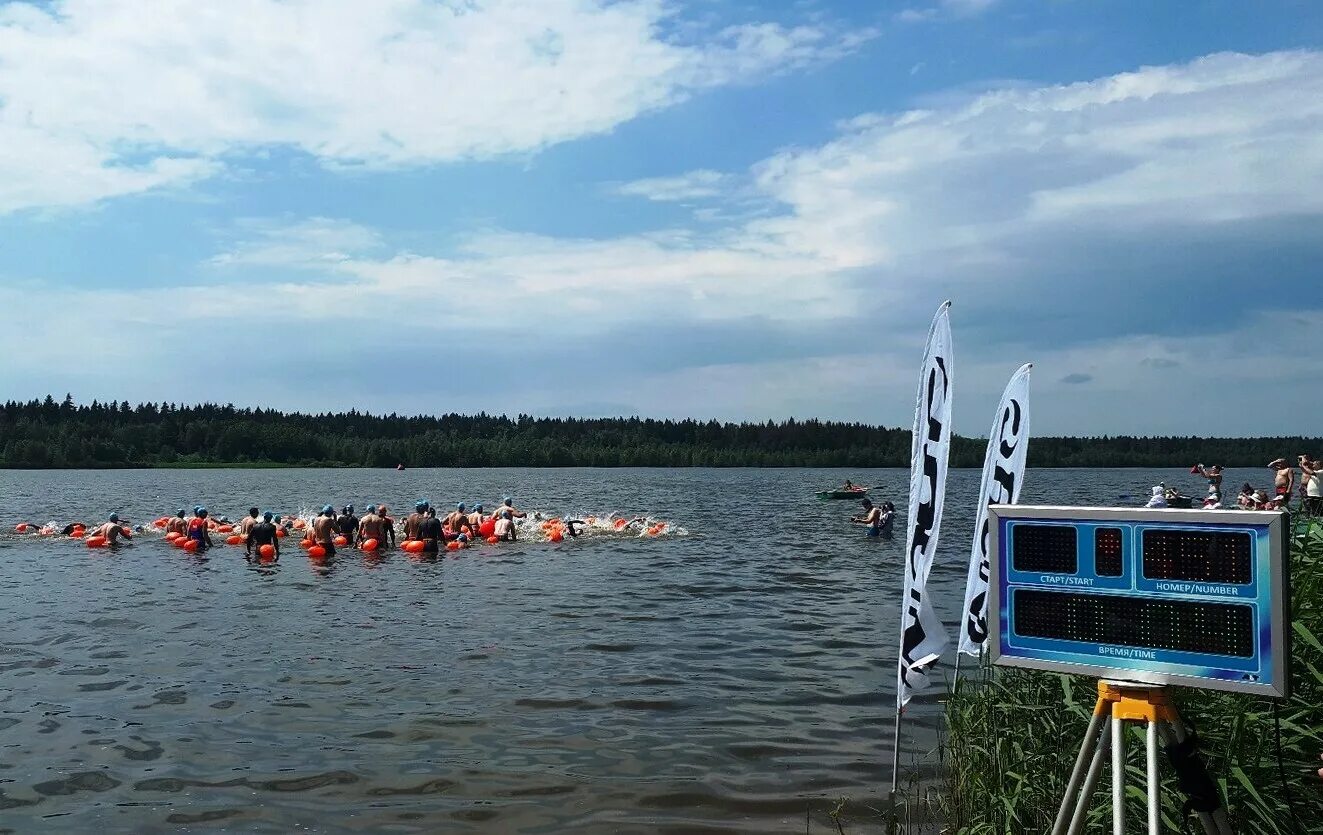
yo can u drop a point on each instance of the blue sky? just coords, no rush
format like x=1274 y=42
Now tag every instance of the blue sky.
x=707 y=209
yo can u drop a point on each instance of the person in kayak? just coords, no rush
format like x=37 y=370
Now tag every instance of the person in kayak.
x=347 y=524
x=429 y=531
x=262 y=533
x=111 y=530
x=324 y=530
x=197 y=529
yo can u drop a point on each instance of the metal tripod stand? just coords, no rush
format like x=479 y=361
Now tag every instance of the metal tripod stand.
x=1118 y=703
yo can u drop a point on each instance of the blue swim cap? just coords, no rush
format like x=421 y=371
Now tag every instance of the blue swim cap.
x=199 y=509
x=196 y=508
x=420 y=505
x=506 y=500
x=459 y=506
x=328 y=509
x=371 y=508
x=477 y=507
x=114 y=517
x=267 y=516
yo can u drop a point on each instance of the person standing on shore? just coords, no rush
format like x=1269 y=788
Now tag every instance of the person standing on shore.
x=1283 y=480
x=1311 y=473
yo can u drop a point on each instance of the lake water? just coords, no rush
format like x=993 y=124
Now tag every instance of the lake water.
x=729 y=675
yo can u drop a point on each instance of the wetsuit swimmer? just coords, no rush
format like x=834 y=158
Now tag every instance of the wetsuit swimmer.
x=347 y=524
x=323 y=530
x=246 y=523
x=111 y=530
x=388 y=525
x=415 y=519
x=569 y=526
x=71 y=527
x=262 y=533
x=429 y=531
x=459 y=519
x=178 y=524
x=371 y=526
x=197 y=529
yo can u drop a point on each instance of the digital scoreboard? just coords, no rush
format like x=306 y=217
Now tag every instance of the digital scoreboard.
x=1196 y=598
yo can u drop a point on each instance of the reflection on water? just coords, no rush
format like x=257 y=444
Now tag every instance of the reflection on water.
x=727 y=679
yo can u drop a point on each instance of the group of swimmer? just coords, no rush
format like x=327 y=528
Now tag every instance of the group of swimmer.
x=260 y=532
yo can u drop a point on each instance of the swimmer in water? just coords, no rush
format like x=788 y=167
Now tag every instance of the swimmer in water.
x=475 y=518
x=429 y=531
x=178 y=524
x=246 y=523
x=388 y=525
x=262 y=533
x=323 y=530
x=507 y=512
x=347 y=524
x=71 y=527
x=371 y=526
x=459 y=519
x=197 y=529
x=111 y=530
x=569 y=526
x=415 y=519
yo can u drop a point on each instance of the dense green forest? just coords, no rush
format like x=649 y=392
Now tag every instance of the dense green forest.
x=42 y=434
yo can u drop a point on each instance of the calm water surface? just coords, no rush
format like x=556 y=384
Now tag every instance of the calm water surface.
x=727 y=676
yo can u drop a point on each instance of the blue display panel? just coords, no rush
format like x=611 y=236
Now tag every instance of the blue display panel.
x=1196 y=598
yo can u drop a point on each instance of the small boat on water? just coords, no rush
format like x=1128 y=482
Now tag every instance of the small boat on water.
x=852 y=493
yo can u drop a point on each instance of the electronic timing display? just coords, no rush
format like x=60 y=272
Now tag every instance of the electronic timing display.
x=1190 y=597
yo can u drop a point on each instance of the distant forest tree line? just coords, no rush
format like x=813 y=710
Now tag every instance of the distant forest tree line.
x=53 y=434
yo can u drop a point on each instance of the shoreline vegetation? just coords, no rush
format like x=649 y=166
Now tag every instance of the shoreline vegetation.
x=54 y=434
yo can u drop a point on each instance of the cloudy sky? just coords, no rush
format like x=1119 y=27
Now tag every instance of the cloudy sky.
x=705 y=208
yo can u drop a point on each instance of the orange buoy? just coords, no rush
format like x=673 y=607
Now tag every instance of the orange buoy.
x=340 y=541
x=317 y=552
x=124 y=529
x=234 y=539
x=417 y=546
x=487 y=528
x=172 y=536
x=493 y=539
x=77 y=533
x=225 y=529
x=281 y=533
x=305 y=544
x=369 y=545
x=268 y=550
x=21 y=527
x=619 y=523
x=96 y=542
x=159 y=523
x=555 y=535
x=191 y=546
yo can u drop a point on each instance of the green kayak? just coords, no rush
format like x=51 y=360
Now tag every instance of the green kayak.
x=857 y=493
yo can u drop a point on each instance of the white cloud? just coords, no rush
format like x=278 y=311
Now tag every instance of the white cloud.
x=964 y=197
x=692 y=185
x=945 y=10
x=106 y=97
